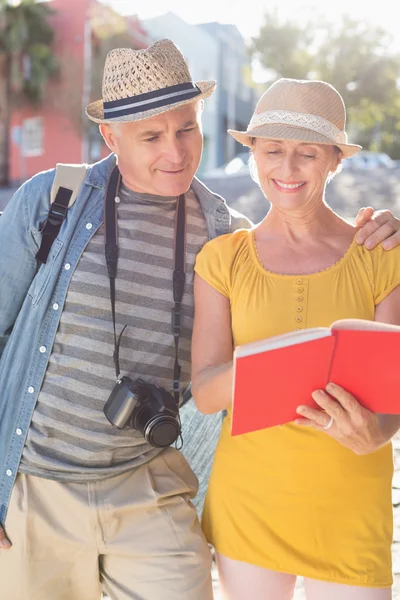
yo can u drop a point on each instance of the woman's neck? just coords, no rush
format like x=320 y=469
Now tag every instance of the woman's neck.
x=318 y=221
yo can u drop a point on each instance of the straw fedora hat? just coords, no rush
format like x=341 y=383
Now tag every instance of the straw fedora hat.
x=305 y=111
x=139 y=84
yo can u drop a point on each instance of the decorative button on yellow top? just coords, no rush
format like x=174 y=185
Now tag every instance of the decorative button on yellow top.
x=299 y=319
x=299 y=298
x=300 y=290
x=299 y=281
x=299 y=308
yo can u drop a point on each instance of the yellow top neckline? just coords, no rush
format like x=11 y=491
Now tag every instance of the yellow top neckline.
x=257 y=261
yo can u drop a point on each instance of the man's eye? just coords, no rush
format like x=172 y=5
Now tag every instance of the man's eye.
x=187 y=130
x=309 y=155
x=152 y=139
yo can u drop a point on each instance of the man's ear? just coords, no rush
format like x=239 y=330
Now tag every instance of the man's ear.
x=109 y=137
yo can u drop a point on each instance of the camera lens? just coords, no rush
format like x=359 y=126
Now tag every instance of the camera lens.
x=161 y=431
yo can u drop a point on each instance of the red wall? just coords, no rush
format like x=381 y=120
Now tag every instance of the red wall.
x=60 y=110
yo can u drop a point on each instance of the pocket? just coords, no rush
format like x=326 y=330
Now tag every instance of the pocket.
x=180 y=470
x=41 y=281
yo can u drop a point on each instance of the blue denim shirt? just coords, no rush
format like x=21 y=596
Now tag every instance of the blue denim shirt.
x=31 y=306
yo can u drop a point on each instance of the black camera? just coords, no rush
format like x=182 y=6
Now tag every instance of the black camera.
x=145 y=407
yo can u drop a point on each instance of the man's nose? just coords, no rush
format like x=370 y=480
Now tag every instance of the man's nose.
x=174 y=151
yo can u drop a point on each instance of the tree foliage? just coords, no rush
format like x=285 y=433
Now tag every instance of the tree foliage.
x=355 y=57
x=26 y=37
x=26 y=62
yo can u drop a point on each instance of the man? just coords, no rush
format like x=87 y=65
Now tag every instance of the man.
x=89 y=506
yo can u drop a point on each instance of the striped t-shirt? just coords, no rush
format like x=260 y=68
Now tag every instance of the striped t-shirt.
x=70 y=438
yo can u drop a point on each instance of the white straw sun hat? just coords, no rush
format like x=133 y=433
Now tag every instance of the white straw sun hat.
x=300 y=110
x=139 y=84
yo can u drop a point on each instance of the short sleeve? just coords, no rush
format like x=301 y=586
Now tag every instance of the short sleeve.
x=386 y=271
x=212 y=265
x=219 y=260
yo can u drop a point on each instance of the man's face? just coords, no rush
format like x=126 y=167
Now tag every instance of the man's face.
x=159 y=155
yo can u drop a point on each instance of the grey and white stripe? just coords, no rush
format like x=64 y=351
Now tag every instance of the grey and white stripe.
x=70 y=439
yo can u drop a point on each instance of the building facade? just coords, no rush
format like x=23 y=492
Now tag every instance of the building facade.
x=214 y=51
x=57 y=130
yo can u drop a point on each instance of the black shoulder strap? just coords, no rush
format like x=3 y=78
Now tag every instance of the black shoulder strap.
x=57 y=214
x=67 y=182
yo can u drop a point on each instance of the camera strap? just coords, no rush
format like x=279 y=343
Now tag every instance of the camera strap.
x=111 y=253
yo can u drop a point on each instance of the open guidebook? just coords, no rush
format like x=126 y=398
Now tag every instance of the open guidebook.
x=272 y=377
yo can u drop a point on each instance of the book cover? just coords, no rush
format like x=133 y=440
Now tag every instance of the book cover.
x=273 y=377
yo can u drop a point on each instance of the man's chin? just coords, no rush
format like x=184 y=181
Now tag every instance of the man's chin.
x=175 y=188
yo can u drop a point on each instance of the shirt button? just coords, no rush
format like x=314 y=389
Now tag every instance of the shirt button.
x=55 y=306
x=89 y=226
x=299 y=281
x=42 y=349
x=300 y=290
x=299 y=319
x=299 y=309
x=31 y=389
x=9 y=472
x=299 y=298
x=19 y=431
x=67 y=266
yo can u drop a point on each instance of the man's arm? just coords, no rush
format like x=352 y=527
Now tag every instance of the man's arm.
x=17 y=270
x=17 y=261
x=376 y=227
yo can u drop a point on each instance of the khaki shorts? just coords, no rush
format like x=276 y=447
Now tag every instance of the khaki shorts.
x=135 y=536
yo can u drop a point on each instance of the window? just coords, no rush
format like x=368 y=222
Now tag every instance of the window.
x=32 y=137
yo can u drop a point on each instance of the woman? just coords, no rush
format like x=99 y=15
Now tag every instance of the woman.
x=313 y=497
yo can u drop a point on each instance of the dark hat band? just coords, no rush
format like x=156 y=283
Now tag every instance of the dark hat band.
x=150 y=100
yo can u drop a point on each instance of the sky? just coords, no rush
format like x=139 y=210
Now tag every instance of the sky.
x=247 y=15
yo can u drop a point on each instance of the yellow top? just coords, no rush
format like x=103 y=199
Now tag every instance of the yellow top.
x=288 y=498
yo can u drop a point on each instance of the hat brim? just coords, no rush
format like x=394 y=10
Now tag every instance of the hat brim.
x=95 y=110
x=278 y=131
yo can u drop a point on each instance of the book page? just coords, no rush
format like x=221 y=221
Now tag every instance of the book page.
x=282 y=341
x=363 y=325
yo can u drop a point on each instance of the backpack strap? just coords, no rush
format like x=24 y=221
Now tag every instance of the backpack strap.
x=67 y=182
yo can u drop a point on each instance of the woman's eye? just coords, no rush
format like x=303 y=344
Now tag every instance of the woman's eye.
x=309 y=155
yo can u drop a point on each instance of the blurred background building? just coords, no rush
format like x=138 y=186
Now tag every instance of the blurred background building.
x=56 y=129
x=214 y=51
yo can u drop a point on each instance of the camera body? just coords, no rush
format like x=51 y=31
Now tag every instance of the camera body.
x=145 y=407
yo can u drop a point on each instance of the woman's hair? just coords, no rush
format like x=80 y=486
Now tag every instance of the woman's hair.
x=253 y=166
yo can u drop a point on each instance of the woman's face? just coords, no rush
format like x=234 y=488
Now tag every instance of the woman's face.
x=293 y=174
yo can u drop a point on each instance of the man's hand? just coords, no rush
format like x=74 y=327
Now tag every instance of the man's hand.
x=376 y=227
x=5 y=544
x=344 y=419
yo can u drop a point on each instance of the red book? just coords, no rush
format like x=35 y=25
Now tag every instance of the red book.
x=273 y=377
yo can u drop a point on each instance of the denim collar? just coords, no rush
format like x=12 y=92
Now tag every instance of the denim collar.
x=212 y=204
